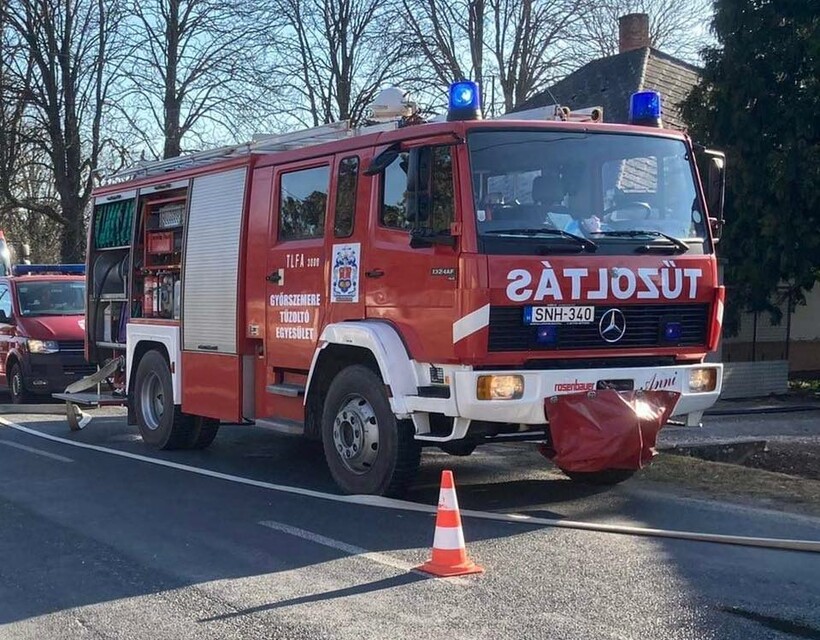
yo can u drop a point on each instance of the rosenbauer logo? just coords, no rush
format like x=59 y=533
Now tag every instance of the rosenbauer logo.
x=668 y=282
x=575 y=385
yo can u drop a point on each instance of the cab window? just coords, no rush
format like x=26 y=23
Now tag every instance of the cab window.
x=346 y=182
x=302 y=203
x=417 y=190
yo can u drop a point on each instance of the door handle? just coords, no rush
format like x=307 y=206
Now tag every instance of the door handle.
x=374 y=273
x=274 y=277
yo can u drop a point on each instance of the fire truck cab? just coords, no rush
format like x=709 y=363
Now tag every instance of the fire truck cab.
x=408 y=284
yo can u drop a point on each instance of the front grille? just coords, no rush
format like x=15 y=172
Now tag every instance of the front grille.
x=643 y=328
x=71 y=345
x=79 y=369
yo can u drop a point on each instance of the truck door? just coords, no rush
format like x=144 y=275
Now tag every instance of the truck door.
x=415 y=286
x=296 y=266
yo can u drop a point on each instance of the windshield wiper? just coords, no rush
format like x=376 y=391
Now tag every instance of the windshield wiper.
x=585 y=243
x=680 y=245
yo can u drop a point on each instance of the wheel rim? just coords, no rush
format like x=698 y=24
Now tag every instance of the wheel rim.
x=152 y=401
x=356 y=434
x=16 y=385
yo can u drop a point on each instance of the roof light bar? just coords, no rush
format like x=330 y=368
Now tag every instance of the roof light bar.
x=48 y=269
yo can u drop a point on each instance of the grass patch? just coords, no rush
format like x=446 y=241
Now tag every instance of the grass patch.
x=733 y=482
x=805 y=386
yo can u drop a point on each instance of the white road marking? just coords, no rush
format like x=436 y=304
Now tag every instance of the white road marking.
x=812 y=546
x=353 y=550
x=38 y=452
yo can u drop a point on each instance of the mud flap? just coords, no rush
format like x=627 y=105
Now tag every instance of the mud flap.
x=607 y=429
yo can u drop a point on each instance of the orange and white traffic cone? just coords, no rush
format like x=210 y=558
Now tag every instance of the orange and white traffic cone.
x=449 y=552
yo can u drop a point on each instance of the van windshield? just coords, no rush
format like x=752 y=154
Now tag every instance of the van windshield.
x=51 y=298
x=623 y=192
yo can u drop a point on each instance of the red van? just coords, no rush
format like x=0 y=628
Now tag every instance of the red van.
x=42 y=330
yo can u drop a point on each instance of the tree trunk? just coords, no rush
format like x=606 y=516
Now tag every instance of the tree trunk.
x=72 y=245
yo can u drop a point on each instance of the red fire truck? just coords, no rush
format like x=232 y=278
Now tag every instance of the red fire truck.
x=541 y=277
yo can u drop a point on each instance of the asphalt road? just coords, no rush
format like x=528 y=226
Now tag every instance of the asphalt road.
x=94 y=545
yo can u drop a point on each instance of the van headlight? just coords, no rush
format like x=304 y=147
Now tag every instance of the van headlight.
x=42 y=346
x=702 y=380
x=500 y=387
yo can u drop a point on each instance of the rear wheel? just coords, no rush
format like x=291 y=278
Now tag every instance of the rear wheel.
x=161 y=423
x=367 y=449
x=19 y=395
x=605 y=477
x=203 y=433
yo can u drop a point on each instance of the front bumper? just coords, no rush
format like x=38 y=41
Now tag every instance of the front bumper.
x=538 y=385
x=48 y=373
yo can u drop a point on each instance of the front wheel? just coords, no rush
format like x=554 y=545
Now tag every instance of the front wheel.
x=19 y=395
x=605 y=477
x=367 y=449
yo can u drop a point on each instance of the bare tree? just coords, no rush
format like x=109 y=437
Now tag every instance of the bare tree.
x=451 y=45
x=515 y=46
x=531 y=43
x=197 y=68
x=63 y=52
x=337 y=54
x=677 y=27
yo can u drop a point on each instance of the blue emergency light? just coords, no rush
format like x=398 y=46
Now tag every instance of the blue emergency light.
x=645 y=109
x=672 y=331
x=48 y=269
x=465 y=101
x=547 y=334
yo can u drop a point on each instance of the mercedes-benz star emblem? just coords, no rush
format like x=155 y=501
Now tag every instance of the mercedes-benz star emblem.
x=612 y=325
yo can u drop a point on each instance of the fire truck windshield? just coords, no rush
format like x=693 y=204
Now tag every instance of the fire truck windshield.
x=627 y=193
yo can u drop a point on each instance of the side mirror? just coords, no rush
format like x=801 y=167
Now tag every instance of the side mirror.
x=383 y=160
x=422 y=238
x=4 y=319
x=715 y=183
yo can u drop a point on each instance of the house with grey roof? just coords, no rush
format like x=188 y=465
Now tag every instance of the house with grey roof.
x=609 y=82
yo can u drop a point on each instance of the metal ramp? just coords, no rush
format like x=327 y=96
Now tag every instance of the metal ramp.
x=78 y=395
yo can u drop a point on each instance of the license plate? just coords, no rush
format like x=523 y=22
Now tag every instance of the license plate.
x=559 y=315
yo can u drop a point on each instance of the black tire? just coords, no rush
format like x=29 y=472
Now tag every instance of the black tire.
x=203 y=432
x=461 y=448
x=605 y=477
x=17 y=389
x=395 y=459
x=161 y=423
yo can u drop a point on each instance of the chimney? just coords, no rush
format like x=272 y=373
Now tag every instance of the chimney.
x=633 y=32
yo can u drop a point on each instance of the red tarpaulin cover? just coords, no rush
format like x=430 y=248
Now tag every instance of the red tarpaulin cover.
x=607 y=429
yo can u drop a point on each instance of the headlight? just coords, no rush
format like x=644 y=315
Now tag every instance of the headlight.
x=42 y=346
x=500 y=387
x=702 y=380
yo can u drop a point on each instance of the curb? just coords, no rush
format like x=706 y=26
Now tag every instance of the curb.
x=34 y=409
x=762 y=410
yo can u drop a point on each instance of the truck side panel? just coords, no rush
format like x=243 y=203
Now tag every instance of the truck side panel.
x=212 y=385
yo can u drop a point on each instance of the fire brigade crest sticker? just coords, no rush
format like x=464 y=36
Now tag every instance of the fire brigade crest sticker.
x=344 y=282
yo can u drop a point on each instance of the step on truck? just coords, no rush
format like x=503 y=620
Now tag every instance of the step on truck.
x=543 y=277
